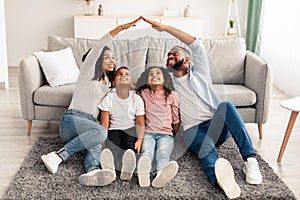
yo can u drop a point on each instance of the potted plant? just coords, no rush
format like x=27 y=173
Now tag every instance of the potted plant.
x=231 y=30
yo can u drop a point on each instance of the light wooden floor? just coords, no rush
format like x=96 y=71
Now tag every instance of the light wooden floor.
x=14 y=144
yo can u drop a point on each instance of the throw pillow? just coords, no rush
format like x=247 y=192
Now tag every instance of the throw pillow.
x=59 y=66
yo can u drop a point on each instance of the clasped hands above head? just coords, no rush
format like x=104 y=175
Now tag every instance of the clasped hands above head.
x=156 y=25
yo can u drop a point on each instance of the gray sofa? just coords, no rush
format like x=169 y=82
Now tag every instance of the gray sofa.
x=238 y=75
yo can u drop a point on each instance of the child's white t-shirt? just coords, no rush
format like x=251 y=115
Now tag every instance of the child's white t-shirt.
x=122 y=112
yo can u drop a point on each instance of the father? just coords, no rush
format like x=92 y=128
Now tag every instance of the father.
x=207 y=122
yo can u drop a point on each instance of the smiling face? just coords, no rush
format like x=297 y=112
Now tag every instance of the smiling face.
x=174 y=56
x=108 y=63
x=155 y=77
x=178 y=60
x=122 y=77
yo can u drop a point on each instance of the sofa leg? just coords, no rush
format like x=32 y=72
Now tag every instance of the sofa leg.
x=260 y=130
x=29 y=123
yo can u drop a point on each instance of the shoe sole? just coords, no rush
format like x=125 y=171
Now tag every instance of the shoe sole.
x=167 y=173
x=144 y=167
x=225 y=178
x=107 y=160
x=45 y=161
x=100 y=178
x=128 y=165
x=252 y=181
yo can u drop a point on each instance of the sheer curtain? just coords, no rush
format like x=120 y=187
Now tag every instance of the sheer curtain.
x=280 y=44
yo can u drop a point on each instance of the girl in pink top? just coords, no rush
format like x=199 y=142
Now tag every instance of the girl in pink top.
x=162 y=123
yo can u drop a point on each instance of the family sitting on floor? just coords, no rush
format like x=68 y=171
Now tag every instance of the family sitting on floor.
x=136 y=126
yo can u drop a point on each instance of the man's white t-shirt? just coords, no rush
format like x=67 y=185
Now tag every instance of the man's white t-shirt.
x=192 y=109
x=122 y=112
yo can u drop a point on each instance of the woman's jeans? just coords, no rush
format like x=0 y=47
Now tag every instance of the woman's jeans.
x=203 y=139
x=84 y=134
x=160 y=144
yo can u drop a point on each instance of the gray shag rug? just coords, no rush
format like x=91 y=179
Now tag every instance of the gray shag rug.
x=33 y=181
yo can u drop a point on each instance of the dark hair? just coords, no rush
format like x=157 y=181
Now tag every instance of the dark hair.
x=142 y=82
x=186 y=52
x=115 y=73
x=85 y=55
x=122 y=67
x=99 y=73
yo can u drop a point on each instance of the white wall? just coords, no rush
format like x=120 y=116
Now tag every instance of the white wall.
x=29 y=22
x=3 y=48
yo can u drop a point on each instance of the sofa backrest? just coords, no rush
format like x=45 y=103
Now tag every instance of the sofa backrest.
x=227 y=60
x=226 y=56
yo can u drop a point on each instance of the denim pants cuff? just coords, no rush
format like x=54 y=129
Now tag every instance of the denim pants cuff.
x=91 y=169
x=63 y=154
x=248 y=156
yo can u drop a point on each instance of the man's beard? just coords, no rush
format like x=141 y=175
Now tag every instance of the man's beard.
x=176 y=67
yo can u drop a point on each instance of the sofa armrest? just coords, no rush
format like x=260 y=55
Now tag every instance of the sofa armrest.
x=258 y=77
x=30 y=78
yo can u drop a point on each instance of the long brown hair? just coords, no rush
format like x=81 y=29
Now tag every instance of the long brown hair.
x=99 y=73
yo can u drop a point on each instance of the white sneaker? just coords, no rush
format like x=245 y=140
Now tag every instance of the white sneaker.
x=143 y=170
x=107 y=160
x=252 y=172
x=225 y=178
x=166 y=174
x=128 y=165
x=51 y=161
x=97 y=177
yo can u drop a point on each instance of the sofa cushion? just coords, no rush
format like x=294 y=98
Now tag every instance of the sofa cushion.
x=79 y=46
x=158 y=49
x=61 y=96
x=226 y=59
x=131 y=53
x=54 y=96
x=239 y=95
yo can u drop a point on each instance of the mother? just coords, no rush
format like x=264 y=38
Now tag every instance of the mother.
x=78 y=126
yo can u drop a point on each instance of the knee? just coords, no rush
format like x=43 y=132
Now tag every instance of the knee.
x=227 y=105
x=66 y=133
x=101 y=132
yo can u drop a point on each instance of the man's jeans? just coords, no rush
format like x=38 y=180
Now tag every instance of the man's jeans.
x=160 y=144
x=84 y=134
x=203 y=139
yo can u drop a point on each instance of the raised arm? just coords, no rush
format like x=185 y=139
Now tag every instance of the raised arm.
x=121 y=27
x=94 y=51
x=111 y=34
x=181 y=35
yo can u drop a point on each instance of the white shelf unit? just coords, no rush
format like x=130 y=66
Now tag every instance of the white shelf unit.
x=93 y=27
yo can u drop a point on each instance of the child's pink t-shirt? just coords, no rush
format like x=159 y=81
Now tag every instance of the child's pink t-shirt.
x=160 y=114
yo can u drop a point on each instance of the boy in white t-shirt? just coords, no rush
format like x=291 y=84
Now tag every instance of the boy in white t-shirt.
x=123 y=115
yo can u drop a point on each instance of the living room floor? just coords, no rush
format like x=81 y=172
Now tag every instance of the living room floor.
x=14 y=144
